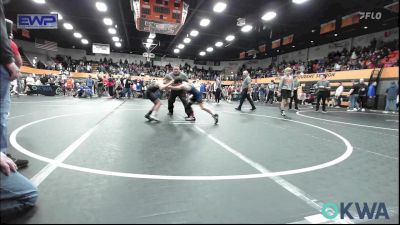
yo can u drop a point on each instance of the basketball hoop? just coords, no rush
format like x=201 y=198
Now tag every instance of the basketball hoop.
x=149 y=48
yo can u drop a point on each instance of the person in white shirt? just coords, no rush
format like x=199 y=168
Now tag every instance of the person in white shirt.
x=338 y=95
x=337 y=67
x=38 y=82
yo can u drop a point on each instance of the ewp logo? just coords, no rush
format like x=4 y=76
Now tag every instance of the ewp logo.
x=331 y=210
x=370 y=15
x=37 y=21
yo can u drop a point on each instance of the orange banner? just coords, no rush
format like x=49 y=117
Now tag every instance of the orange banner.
x=287 y=40
x=350 y=19
x=387 y=73
x=276 y=43
x=328 y=27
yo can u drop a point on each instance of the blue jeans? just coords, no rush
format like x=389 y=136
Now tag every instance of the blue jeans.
x=16 y=194
x=390 y=105
x=353 y=101
x=5 y=102
x=127 y=90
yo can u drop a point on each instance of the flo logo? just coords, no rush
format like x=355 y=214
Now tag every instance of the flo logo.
x=377 y=210
x=370 y=15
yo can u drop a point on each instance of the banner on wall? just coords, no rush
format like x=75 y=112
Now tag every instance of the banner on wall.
x=339 y=44
x=328 y=27
x=276 y=43
x=242 y=55
x=287 y=40
x=350 y=19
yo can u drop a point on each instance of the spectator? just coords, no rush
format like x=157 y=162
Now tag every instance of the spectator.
x=391 y=95
x=372 y=95
x=362 y=95
x=338 y=95
x=16 y=192
x=353 y=96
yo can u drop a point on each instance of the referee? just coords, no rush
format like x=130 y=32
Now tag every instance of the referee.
x=178 y=77
x=323 y=92
x=246 y=91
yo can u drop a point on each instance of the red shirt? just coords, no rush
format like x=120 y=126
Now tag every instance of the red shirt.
x=14 y=48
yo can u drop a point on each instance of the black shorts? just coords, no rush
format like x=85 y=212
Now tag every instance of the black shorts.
x=152 y=96
x=285 y=94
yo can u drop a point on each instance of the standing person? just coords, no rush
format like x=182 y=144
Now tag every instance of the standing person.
x=127 y=87
x=246 y=91
x=271 y=92
x=323 y=92
x=178 y=77
x=372 y=95
x=353 y=96
x=218 y=90
x=362 y=95
x=391 y=96
x=21 y=163
x=90 y=83
x=16 y=192
x=17 y=56
x=338 y=95
x=262 y=93
x=110 y=85
x=285 y=89
x=296 y=85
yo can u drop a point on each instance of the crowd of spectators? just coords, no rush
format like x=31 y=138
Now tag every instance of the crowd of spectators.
x=377 y=54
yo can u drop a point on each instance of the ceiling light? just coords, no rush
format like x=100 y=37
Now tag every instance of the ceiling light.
x=293 y=46
x=210 y=49
x=219 y=7
x=194 y=33
x=335 y=35
x=202 y=53
x=313 y=30
x=187 y=40
x=365 y=27
x=299 y=1
x=204 y=22
x=68 y=26
x=152 y=35
x=77 y=35
x=312 y=41
x=59 y=15
x=176 y=51
x=118 y=44
x=40 y=1
x=219 y=44
x=112 y=31
x=101 y=6
x=230 y=38
x=115 y=38
x=247 y=28
x=181 y=46
x=269 y=16
x=84 y=41
x=108 y=21
x=149 y=40
x=148 y=45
